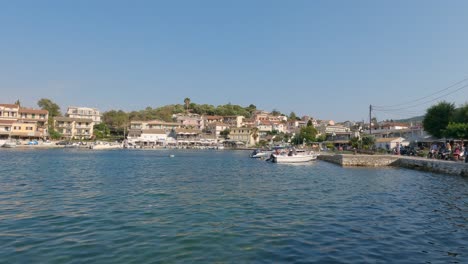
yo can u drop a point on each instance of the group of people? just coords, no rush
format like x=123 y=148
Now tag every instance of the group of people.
x=445 y=150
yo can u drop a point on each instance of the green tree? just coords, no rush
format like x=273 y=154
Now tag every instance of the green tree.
x=461 y=114
x=275 y=112
x=53 y=133
x=18 y=103
x=354 y=142
x=117 y=121
x=437 y=118
x=456 y=130
x=187 y=103
x=101 y=131
x=368 y=142
x=292 y=116
x=47 y=104
x=306 y=134
x=54 y=110
x=225 y=133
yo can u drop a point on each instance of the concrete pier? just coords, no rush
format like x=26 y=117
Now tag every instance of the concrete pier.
x=437 y=166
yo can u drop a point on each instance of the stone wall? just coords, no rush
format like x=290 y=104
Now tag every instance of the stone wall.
x=360 y=160
x=437 y=166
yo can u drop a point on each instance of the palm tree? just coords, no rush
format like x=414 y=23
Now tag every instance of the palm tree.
x=187 y=103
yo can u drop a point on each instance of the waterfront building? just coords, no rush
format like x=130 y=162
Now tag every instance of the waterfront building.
x=390 y=143
x=266 y=116
x=147 y=131
x=6 y=128
x=209 y=119
x=37 y=117
x=234 y=121
x=264 y=126
x=186 y=135
x=9 y=111
x=74 y=128
x=281 y=127
x=192 y=121
x=216 y=128
x=293 y=126
x=246 y=135
x=84 y=113
x=152 y=137
x=23 y=123
x=394 y=130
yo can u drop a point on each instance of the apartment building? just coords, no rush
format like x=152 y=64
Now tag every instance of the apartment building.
x=74 y=128
x=246 y=135
x=23 y=123
x=84 y=113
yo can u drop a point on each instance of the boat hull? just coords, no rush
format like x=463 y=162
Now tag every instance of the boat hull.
x=9 y=145
x=293 y=159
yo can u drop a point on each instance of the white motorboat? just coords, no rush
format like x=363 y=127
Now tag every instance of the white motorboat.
x=256 y=154
x=9 y=144
x=293 y=158
x=105 y=145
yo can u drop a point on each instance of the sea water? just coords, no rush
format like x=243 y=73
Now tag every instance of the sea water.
x=136 y=206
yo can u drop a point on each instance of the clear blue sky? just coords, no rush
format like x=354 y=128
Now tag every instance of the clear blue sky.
x=327 y=59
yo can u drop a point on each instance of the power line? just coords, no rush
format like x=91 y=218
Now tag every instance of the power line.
x=416 y=105
x=422 y=98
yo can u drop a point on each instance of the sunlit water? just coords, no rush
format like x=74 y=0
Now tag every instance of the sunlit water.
x=76 y=206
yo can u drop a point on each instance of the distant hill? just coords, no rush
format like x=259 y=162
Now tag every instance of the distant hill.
x=411 y=119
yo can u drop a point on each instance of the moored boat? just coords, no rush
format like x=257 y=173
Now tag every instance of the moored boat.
x=9 y=144
x=105 y=145
x=256 y=154
x=293 y=157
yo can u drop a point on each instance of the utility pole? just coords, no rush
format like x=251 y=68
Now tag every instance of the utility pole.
x=370 y=119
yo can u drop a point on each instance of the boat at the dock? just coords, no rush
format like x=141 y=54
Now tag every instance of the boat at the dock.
x=293 y=157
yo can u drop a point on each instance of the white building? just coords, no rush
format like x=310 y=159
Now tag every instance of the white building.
x=84 y=113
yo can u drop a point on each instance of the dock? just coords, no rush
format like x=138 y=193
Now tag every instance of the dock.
x=416 y=163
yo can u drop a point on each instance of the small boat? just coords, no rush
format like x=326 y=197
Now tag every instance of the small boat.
x=256 y=154
x=9 y=144
x=105 y=145
x=293 y=157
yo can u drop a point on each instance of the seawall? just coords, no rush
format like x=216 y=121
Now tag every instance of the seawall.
x=430 y=165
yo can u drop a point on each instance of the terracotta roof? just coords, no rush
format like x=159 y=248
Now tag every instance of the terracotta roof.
x=185 y=130
x=7 y=122
x=10 y=105
x=69 y=119
x=153 y=131
x=159 y=122
x=33 y=111
x=218 y=124
x=213 y=117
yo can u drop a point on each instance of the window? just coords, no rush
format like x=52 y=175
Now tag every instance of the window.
x=33 y=116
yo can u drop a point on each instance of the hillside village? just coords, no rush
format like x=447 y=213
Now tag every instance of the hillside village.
x=191 y=129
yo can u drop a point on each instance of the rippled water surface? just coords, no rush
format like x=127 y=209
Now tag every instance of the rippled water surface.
x=74 y=206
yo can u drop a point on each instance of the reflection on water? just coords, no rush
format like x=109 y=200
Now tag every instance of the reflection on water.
x=220 y=206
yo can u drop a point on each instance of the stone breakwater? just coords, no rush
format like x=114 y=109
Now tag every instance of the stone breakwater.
x=437 y=166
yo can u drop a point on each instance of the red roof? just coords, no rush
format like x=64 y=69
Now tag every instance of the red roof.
x=8 y=122
x=214 y=117
x=33 y=111
x=9 y=105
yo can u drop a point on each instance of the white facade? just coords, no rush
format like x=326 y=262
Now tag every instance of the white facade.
x=84 y=113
